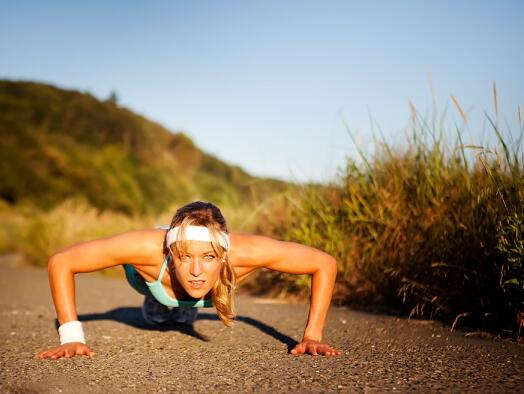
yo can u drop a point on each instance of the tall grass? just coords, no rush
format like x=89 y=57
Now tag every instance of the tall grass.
x=435 y=229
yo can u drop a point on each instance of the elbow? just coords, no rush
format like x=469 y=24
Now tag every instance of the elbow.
x=58 y=268
x=333 y=266
x=329 y=266
x=54 y=263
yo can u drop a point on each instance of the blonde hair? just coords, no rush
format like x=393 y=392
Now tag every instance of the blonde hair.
x=208 y=215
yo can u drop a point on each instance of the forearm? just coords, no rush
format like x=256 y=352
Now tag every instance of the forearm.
x=62 y=283
x=322 y=285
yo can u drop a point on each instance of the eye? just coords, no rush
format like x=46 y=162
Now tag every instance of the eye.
x=209 y=257
x=185 y=258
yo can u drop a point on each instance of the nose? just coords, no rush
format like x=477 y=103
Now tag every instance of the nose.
x=196 y=267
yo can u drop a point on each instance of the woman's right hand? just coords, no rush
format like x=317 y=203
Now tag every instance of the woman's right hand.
x=67 y=350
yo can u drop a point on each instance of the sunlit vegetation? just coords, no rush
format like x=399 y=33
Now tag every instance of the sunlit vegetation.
x=57 y=144
x=431 y=228
x=434 y=229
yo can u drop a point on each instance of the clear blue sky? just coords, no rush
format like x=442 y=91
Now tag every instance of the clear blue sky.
x=265 y=84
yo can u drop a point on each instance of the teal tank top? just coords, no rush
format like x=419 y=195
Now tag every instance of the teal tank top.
x=156 y=289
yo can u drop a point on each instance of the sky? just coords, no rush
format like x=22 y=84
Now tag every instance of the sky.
x=274 y=86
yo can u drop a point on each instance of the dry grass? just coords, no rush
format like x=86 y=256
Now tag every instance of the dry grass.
x=37 y=235
x=435 y=229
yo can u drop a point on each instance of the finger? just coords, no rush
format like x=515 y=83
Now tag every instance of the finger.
x=333 y=352
x=84 y=351
x=336 y=352
x=299 y=349
x=87 y=352
x=51 y=353
x=326 y=351
x=46 y=353
x=57 y=354
x=69 y=353
x=42 y=354
x=312 y=349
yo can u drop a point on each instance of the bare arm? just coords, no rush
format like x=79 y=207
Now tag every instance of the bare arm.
x=294 y=258
x=91 y=256
x=88 y=257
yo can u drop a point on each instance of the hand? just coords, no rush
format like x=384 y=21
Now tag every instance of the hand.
x=314 y=348
x=67 y=350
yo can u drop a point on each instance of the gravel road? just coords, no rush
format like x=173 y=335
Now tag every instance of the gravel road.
x=380 y=352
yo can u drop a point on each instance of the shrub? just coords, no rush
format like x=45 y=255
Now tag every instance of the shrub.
x=434 y=229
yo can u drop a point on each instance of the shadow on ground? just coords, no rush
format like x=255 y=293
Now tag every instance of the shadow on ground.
x=132 y=316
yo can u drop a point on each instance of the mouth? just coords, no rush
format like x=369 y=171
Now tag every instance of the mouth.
x=196 y=284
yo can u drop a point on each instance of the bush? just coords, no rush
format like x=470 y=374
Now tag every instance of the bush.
x=434 y=230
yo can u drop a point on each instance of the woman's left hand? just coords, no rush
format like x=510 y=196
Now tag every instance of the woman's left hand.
x=315 y=348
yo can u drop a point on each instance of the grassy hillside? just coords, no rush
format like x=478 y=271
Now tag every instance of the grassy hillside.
x=60 y=144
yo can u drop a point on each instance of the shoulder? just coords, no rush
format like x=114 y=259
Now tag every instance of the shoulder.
x=252 y=252
x=259 y=250
x=139 y=246
x=249 y=244
x=140 y=238
x=146 y=243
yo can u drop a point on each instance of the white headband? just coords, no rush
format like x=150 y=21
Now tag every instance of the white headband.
x=196 y=233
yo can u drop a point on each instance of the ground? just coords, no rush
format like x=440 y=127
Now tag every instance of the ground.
x=380 y=352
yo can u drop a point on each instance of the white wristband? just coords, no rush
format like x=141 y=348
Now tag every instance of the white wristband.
x=71 y=332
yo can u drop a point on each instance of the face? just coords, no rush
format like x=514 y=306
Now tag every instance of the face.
x=198 y=268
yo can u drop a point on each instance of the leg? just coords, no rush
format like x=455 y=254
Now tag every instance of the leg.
x=154 y=312
x=184 y=315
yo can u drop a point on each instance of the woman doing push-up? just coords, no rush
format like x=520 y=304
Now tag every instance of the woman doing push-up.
x=194 y=263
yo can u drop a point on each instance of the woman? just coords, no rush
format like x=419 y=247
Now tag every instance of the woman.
x=195 y=263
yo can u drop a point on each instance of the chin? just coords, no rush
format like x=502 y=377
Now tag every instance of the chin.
x=197 y=293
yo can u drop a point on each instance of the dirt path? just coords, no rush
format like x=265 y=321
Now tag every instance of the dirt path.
x=381 y=353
